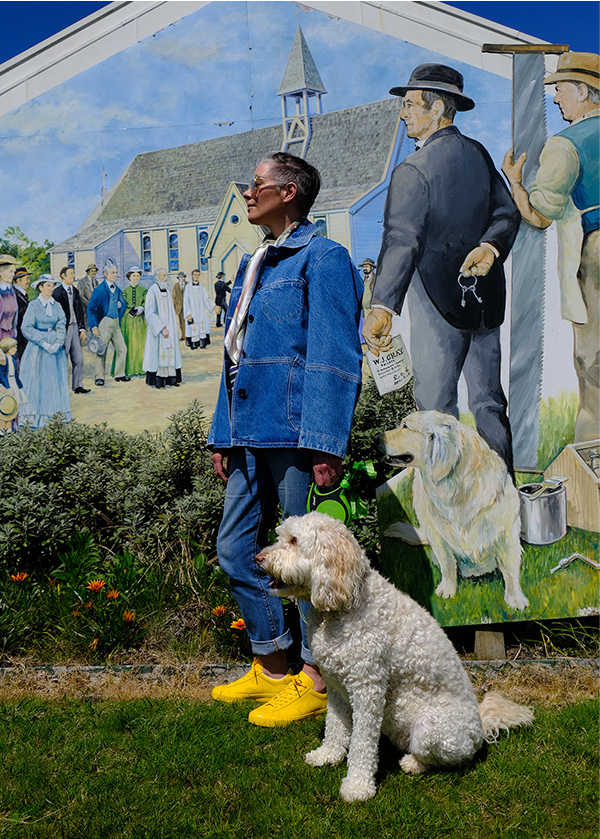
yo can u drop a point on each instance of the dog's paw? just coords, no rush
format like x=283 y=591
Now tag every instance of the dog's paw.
x=406 y=532
x=357 y=789
x=324 y=756
x=446 y=589
x=412 y=765
x=517 y=600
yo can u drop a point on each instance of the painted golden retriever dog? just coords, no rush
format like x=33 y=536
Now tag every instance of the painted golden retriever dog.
x=464 y=498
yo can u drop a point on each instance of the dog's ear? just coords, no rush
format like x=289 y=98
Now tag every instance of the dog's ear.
x=337 y=567
x=443 y=451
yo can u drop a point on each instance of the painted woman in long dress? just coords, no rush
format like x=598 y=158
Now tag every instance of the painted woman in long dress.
x=43 y=368
x=162 y=356
x=133 y=325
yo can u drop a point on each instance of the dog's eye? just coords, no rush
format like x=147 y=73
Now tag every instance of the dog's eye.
x=293 y=540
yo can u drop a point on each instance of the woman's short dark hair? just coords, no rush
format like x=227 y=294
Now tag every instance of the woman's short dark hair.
x=296 y=170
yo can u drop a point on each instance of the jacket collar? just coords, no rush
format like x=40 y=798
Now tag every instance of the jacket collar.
x=443 y=132
x=301 y=236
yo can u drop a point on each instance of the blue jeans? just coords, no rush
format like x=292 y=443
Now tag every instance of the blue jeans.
x=259 y=479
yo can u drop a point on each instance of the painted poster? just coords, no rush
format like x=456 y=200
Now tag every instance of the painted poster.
x=134 y=170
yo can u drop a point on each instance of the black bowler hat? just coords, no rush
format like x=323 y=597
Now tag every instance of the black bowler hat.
x=438 y=77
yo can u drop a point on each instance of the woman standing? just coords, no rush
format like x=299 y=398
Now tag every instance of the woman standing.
x=8 y=298
x=43 y=369
x=133 y=325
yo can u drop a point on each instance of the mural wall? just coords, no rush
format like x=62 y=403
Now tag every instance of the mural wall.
x=135 y=170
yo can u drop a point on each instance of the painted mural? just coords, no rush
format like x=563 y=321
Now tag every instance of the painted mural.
x=132 y=175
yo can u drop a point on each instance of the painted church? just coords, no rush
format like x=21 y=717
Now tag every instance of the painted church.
x=183 y=207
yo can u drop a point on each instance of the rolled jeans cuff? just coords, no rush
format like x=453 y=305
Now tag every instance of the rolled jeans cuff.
x=272 y=646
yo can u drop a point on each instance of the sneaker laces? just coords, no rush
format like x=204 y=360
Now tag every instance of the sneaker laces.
x=297 y=686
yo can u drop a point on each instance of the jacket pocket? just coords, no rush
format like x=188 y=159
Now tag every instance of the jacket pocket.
x=283 y=300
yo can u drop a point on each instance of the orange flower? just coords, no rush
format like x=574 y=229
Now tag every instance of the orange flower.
x=96 y=585
x=75 y=612
x=219 y=611
x=112 y=594
x=89 y=606
x=94 y=644
x=19 y=576
x=128 y=616
x=238 y=624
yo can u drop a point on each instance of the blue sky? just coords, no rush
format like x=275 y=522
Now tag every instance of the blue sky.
x=171 y=89
x=572 y=21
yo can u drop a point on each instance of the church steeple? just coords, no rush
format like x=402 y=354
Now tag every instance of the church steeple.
x=301 y=82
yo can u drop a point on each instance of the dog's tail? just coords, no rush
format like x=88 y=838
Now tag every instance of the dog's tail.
x=497 y=713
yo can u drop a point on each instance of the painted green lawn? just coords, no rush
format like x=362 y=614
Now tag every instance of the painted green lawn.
x=172 y=768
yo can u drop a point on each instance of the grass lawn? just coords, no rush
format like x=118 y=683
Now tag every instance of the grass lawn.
x=176 y=768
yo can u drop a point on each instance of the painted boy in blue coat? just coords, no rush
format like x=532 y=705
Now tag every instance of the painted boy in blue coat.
x=291 y=378
x=105 y=312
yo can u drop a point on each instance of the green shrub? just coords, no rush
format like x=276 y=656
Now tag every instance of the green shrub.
x=374 y=414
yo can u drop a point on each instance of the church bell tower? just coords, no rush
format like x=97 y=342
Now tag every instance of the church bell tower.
x=301 y=84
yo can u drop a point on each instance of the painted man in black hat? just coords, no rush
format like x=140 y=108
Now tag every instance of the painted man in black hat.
x=449 y=224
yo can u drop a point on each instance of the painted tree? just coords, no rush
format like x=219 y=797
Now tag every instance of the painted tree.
x=30 y=254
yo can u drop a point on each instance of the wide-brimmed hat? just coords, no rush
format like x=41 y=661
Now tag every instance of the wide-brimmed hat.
x=577 y=67
x=7 y=259
x=9 y=407
x=133 y=269
x=181 y=274
x=44 y=278
x=367 y=261
x=219 y=275
x=90 y=266
x=96 y=345
x=438 y=77
x=21 y=272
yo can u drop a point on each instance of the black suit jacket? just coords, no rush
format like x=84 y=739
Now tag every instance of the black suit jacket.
x=61 y=296
x=444 y=200
x=222 y=288
x=22 y=303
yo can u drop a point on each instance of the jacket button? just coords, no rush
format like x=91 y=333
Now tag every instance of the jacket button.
x=242 y=393
x=250 y=318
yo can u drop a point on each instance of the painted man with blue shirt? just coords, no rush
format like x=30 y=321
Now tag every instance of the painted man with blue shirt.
x=566 y=189
x=291 y=378
x=105 y=312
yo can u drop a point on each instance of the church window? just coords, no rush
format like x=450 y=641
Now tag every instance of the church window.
x=202 y=240
x=147 y=253
x=173 y=250
x=320 y=223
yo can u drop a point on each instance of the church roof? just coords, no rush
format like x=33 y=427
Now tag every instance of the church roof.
x=186 y=184
x=301 y=71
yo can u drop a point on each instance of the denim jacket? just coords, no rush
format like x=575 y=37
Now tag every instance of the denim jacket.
x=300 y=372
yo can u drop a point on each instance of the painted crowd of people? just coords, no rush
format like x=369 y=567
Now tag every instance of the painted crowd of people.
x=144 y=326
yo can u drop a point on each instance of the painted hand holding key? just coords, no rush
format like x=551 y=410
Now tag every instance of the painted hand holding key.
x=478 y=262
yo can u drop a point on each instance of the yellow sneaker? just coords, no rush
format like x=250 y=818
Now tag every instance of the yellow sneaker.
x=254 y=685
x=298 y=701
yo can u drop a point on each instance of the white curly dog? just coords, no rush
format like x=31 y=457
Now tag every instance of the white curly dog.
x=464 y=498
x=388 y=665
